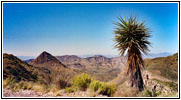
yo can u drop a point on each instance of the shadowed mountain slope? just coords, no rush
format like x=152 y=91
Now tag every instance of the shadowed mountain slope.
x=18 y=69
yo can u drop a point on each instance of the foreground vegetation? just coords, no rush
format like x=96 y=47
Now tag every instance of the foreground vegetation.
x=84 y=82
x=79 y=83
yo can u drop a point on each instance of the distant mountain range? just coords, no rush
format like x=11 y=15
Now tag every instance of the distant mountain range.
x=151 y=55
x=154 y=55
x=26 y=57
x=97 y=65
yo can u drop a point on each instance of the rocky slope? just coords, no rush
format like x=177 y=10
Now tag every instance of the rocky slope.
x=97 y=61
x=17 y=69
x=164 y=66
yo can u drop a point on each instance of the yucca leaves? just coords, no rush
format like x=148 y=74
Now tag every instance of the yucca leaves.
x=129 y=32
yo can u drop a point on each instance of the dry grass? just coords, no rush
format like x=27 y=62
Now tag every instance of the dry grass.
x=5 y=83
x=125 y=90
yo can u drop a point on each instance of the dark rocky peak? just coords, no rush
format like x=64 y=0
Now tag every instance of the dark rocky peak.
x=45 y=57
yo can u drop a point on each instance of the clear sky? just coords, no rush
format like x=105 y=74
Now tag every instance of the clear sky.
x=83 y=28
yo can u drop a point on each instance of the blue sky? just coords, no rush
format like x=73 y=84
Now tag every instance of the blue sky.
x=83 y=28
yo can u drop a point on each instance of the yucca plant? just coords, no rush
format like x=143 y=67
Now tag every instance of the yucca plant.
x=132 y=36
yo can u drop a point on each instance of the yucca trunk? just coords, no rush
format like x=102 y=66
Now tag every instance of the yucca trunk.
x=136 y=80
x=134 y=63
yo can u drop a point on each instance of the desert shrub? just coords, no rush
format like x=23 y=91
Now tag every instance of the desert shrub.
x=9 y=82
x=61 y=84
x=23 y=85
x=6 y=82
x=81 y=81
x=52 y=88
x=102 y=87
x=107 y=89
x=148 y=93
x=174 y=94
x=95 y=85
x=173 y=86
x=38 y=87
x=14 y=85
x=70 y=89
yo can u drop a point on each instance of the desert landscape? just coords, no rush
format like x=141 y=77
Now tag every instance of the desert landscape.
x=97 y=50
x=46 y=76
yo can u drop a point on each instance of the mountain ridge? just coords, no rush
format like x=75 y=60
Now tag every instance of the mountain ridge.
x=151 y=55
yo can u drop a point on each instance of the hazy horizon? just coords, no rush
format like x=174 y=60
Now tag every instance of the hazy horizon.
x=83 y=28
x=151 y=55
x=86 y=54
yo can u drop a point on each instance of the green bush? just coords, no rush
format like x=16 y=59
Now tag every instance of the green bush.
x=81 y=81
x=107 y=89
x=102 y=87
x=95 y=85
x=148 y=93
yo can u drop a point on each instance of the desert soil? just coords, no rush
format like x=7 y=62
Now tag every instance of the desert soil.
x=31 y=93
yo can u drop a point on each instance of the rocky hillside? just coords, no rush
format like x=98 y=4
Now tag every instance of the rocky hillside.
x=99 y=61
x=18 y=69
x=166 y=67
x=101 y=67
